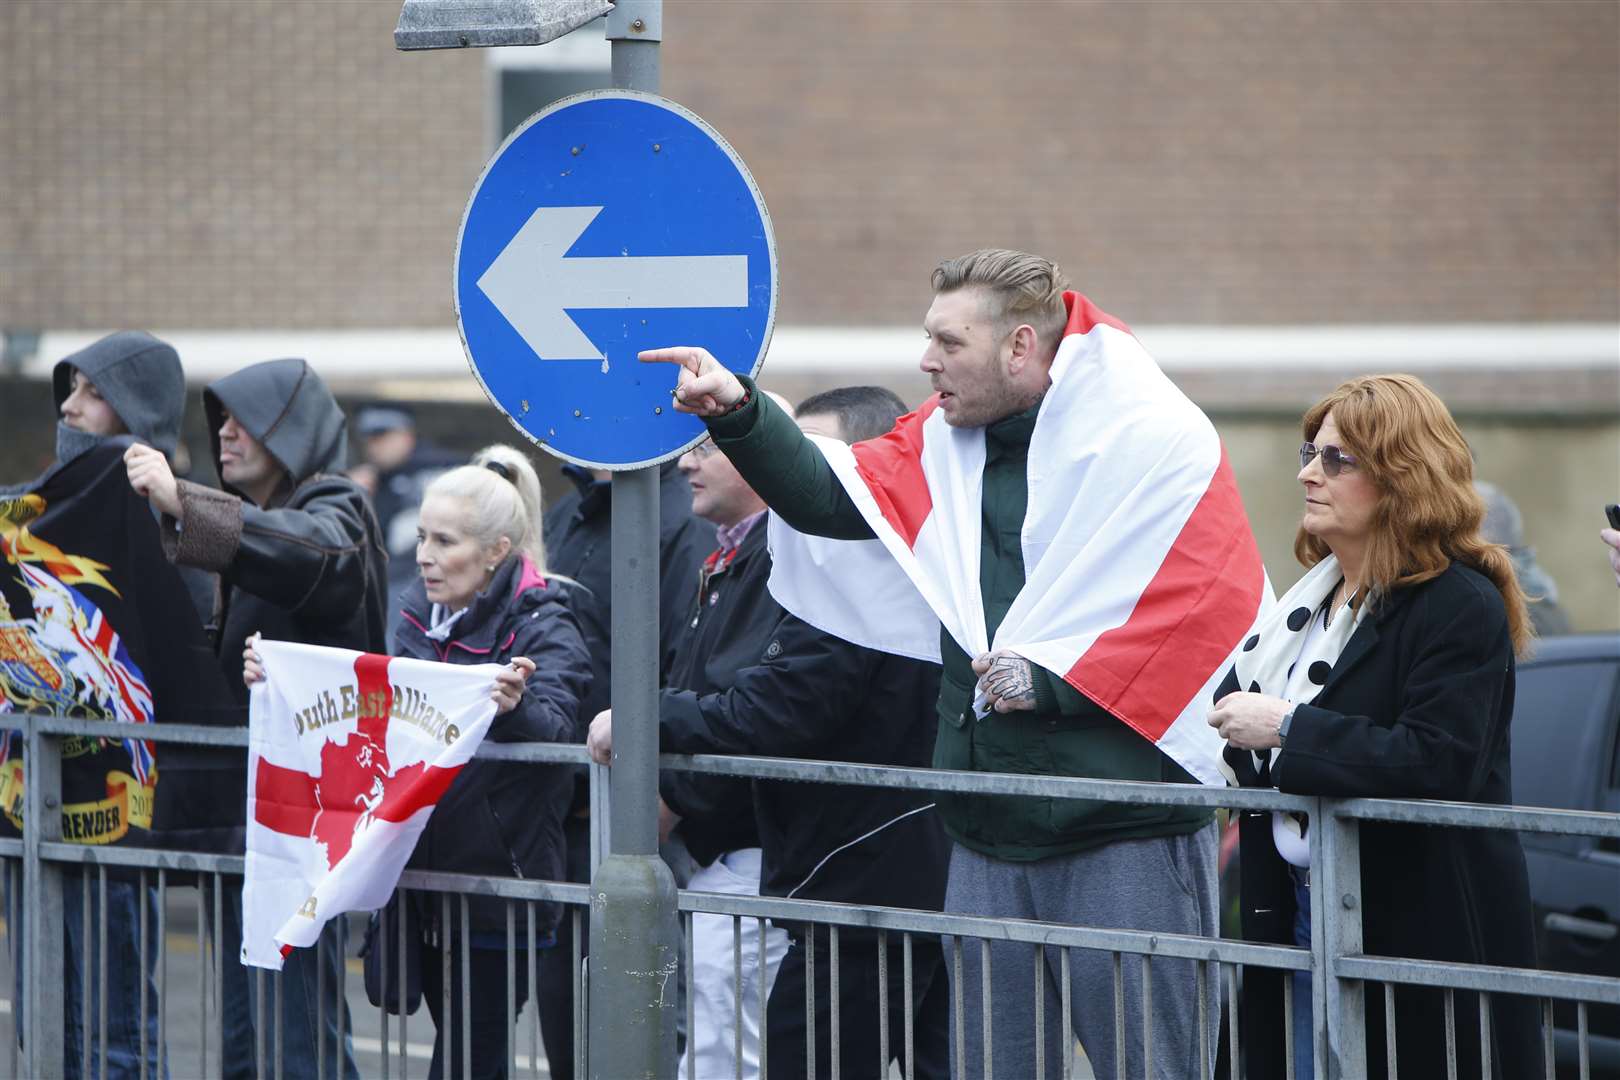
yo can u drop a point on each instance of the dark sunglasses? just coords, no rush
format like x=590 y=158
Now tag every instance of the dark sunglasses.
x=1333 y=459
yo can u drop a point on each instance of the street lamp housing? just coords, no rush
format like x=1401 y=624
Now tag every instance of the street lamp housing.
x=463 y=24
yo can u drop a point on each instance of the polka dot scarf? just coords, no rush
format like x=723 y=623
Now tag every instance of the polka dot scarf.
x=1291 y=654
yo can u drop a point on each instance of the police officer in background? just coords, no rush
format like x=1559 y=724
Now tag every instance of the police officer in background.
x=396 y=467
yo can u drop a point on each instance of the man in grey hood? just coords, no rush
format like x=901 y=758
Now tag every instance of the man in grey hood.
x=300 y=557
x=126 y=383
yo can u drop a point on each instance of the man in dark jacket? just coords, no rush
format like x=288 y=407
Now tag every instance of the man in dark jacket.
x=811 y=695
x=993 y=332
x=578 y=533
x=300 y=557
x=727 y=614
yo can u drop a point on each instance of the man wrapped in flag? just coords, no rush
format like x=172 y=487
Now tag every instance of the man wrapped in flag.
x=1070 y=521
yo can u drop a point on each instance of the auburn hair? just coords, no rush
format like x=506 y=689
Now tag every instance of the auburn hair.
x=1428 y=513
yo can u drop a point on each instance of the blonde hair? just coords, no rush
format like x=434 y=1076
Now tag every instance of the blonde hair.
x=1020 y=288
x=1429 y=513
x=503 y=492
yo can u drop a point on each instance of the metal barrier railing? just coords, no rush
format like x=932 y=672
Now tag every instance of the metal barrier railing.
x=1341 y=973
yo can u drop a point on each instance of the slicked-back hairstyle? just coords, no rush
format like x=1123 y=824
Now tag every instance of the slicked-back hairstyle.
x=864 y=412
x=1019 y=288
x=502 y=494
x=1429 y=513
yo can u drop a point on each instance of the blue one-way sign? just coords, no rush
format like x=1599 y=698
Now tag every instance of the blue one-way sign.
x=608 y=223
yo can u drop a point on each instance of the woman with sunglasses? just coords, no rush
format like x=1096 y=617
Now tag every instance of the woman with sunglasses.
x=1387 y=672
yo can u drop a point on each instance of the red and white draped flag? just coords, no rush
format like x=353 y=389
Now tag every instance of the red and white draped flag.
x=348 y=753
x=1142 y=576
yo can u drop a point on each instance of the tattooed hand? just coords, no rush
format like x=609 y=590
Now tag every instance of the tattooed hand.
x=1006 y=680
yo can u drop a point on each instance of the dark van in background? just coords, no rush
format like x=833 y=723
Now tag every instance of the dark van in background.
x=1566 y=754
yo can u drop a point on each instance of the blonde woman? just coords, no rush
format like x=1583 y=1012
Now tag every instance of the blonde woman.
x=483 y=595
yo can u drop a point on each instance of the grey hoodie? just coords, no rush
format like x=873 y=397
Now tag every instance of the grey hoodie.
x=288 y=409
x=139 y=376
x=308 y=565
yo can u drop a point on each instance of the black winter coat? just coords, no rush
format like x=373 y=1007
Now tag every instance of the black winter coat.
x=579 y=546
x=729 y=620
x=504 y=818
x=308 y=567
x=1417 y=706
x=812 y=695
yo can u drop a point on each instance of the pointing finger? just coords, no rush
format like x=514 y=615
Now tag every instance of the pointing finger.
x=687 y=356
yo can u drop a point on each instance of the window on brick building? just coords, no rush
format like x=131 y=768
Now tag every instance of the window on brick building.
x=526 y=78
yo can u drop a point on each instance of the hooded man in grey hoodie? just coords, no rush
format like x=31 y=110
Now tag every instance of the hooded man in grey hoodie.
x=300 y=558
x=128 y=383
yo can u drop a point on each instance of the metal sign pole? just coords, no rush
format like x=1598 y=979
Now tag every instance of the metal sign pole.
x=634 y=933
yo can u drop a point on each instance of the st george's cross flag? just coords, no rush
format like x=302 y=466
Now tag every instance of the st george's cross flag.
x=1142 y=576
x=348 y=753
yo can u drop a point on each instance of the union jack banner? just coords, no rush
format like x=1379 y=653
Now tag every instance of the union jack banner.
x=96 y=623
x=102 y=651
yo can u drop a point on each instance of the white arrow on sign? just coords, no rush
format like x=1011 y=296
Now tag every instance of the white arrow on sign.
x=532 y=284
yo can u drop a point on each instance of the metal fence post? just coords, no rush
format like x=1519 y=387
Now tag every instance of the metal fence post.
x=634 y=937
x=1336 y=932
x=42 y=899
x=601 y=814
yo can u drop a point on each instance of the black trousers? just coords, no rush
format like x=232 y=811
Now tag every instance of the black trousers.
x=860 y=1005
x=491 y=1024
x=554 y=997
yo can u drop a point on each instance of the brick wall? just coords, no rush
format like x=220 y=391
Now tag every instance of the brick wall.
x=277 y=164
x=235 y=163
x=1187 y=162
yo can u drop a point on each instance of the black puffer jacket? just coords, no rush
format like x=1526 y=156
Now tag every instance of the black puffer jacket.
x=504 y=818
x=307 y=567
x=811 y=695
x=579 y=545
x=728 y=623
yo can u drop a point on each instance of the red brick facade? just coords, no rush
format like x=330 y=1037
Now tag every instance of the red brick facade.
x=278 y=164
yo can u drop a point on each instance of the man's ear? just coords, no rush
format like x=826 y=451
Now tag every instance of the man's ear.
x=1022 y=349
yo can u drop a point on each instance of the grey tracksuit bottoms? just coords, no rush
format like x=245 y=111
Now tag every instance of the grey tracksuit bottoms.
x=1166 y=884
